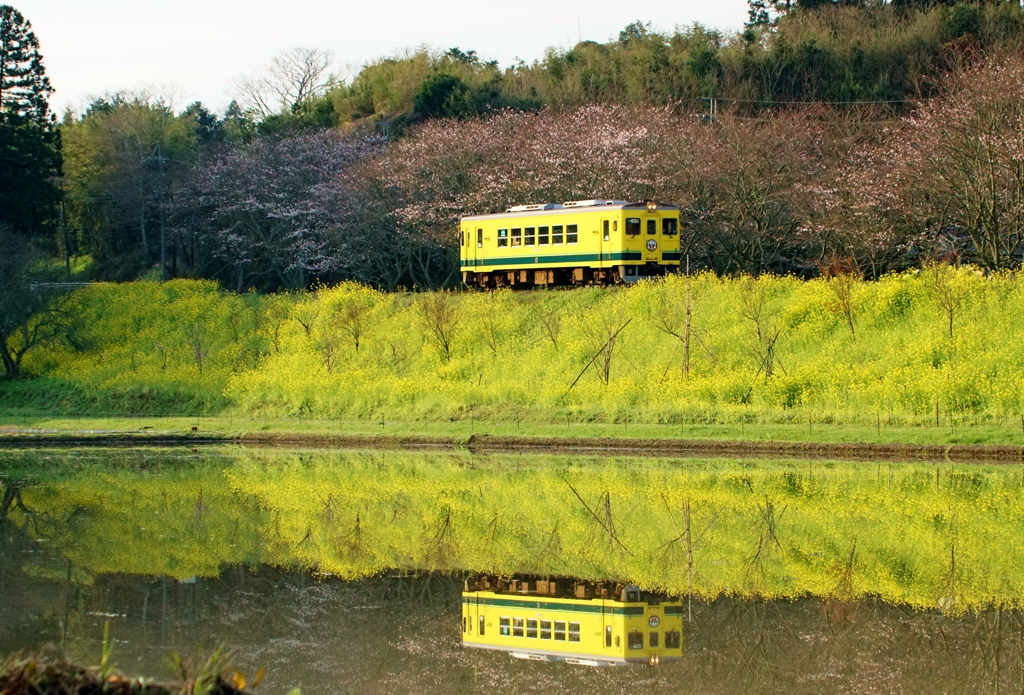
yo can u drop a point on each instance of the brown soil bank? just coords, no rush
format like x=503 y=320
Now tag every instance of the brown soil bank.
x=964 y=453
x=45 y=676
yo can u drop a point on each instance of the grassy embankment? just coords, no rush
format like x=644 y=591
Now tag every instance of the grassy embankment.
x=848 y=361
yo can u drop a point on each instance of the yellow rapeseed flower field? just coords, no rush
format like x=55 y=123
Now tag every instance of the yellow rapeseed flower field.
x=770 y=349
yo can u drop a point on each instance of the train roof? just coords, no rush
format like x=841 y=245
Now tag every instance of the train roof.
x=569 y=207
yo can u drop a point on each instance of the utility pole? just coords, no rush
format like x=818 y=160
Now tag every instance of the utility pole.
x=64 y=232
x=161 y=163
x=163 y=217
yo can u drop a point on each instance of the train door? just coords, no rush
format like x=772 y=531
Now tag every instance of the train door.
x=604 y=241
x=607 y=629
x=475 y=614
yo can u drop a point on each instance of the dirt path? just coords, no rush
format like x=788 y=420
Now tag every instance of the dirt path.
x=963 y=453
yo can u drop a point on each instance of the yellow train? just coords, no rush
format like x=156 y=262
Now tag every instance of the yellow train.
x=562 y=620
x=578 y=242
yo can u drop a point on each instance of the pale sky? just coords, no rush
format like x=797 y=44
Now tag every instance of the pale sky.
x=194 y=49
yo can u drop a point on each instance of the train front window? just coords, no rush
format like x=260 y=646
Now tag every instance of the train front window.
x=574 y=632
x=545 y=629
x=570 y=234
x=556 y=234
x=632 y=226
x=531 y=628
x=670 y=226
x=517 y=237
x=517 y=627
x=635 y=640
x=560 y=630
x=654 y=640
x=529 y=237
x=542 y=236
x=673 y=639
x=652 y=226
x=502 y=238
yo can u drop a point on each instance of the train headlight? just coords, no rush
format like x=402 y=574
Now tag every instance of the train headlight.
x=652 y=206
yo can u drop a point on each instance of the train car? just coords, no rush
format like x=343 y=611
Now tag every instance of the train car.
x=562 y=620
x=579 y=242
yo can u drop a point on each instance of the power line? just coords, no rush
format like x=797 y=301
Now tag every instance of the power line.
x=771 y=102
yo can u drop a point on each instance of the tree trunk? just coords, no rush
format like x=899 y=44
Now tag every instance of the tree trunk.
x=11 y=366
x=142 y=229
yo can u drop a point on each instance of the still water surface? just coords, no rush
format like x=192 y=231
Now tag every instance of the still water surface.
x=342 y=570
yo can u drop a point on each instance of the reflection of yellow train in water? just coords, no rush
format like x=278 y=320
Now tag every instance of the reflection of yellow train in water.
x=580 y=242
x=554 y=620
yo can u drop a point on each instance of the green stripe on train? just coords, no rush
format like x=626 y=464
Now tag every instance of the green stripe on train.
x=548 y=605
x=564 y=258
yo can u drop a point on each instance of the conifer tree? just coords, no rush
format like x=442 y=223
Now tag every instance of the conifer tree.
x=24 y=87
x=757 y=14
x=29 y=139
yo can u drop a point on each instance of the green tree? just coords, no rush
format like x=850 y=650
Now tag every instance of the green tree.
x=24 y=87
x=29 y=142
x=442 y=96
x=122 y=157
x=31 y=312
x=29 y=163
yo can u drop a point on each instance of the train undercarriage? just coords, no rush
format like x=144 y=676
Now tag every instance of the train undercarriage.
x=564 y=277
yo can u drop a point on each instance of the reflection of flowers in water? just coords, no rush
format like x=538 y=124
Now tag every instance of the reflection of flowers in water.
x=701 y=532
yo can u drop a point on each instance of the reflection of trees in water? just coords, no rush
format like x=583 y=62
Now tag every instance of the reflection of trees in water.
x=800 y=647
x=399 y=632
x=441 y=547
x=767 y=543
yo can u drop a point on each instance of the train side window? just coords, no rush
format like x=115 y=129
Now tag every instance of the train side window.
x=529 y=236
x=504 y=627
x=556 y=234
x=559 y=630
x=574 y=632
x=615 y=225
x=669 y=226
x=632 y=226
x=517 y=627
x=652 y=226
x=502 y=238
x=462 y=238
x=531 y=628
x=545 y=629
x=570 y=234
x=654 y=640
x=517 y=237
x=481 y=631
x=635 y=640
x=542 y=236
x=673 y=639
x=607 y=635
x=479 y=238
x=604 y=226
x=465 y=624
x=618 y=641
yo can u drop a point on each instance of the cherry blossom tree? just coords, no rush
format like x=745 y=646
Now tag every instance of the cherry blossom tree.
x=275 y=212
x=963 y=161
